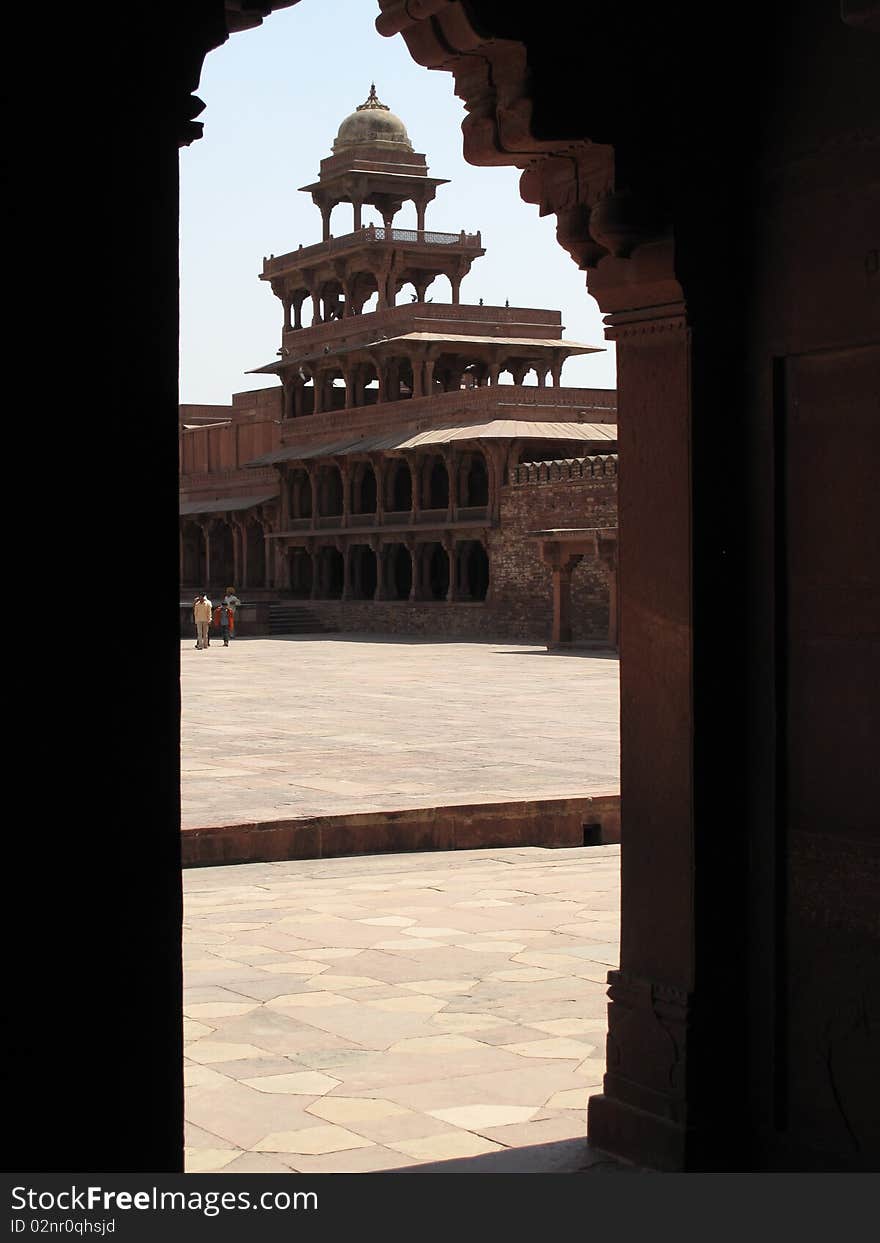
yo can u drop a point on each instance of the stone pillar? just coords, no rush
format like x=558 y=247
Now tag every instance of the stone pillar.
x=378 y=464
x=562 y=565
x=556 y=373
x=356 y=215
x=415 y=466
x=298 y=399
x=245 y=576
x=393 y=391
x=207 y=529
x=345 y=475
x=318 y=383
x=381 y=551
x=451 y=459
x=420 y=216
x=318 y=566
x=287 y=387
x=345 y=549
x=455 y=282
x=325 y=221
x=313 y=484
x=494 y=369
x=415 y=588
x=236 y=551
x=449 y=545
x=298 y=300
x=428 y=381
x=350 y=396
x=286 y=302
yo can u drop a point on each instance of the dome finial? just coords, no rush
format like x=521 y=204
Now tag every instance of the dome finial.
x=372 y=101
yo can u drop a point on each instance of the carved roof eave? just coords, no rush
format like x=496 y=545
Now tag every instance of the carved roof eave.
x=600 y=225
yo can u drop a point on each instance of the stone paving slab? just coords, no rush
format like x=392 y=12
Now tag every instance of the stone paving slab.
x=358 y=1014
x=296 y=727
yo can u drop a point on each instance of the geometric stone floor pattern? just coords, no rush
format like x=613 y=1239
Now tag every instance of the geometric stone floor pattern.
x=360 y=1014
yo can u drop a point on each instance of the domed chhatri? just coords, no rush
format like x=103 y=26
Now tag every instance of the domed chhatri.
x=372 y=124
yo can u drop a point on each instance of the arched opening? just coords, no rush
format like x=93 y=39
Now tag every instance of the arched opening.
x=331 y=573
x=473 y=570
x=330 y=496
x=301 y=572
x=434 y=572
x=436 y=477
x=192 y=570
x=299 y=494
x=474 y=481
x=363 y=489
x=362 y=572
x=400 y=488
x=222 y=554
x=399 y=583
x=255 y=543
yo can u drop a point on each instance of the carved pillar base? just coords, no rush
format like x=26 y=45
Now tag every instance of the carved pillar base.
x=644 y=1114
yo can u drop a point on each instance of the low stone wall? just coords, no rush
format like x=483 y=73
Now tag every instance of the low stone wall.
x=587 y=821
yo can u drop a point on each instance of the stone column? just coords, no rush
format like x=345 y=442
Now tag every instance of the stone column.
x=415 y=466
x=494 y=369
x=286 y=302
x=345 y=475
x=451 y=459
x=344 y=548
x=325 y=222
x=428 y=381
x=318 y=566
x=356 y=215
x=450 y=546
x=420 y=215
x=378 y=464
x=287 y=387
x=298 y=299
x=562 y=565
x=245 y=577
x=414 y=591
x=313 y=483
x=381 y=551
x=207 y=530
x=236 y=551
x=298 y=399
x=455 y=282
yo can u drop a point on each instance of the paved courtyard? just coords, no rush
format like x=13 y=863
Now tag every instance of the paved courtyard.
x=359 y=1014
x=306 y=726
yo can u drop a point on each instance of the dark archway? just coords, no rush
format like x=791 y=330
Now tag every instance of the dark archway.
x=473 y=570
x=433 y=572
x=222 y=555
x=301 y=570
x=436 y=484
x=330 y=495
x=474 y=481
x=192 y=569
x=400 y=494
x=363 y=489
x=255 y=543
x=399 y=583
x=363 y=572
x=330 y=569
x=299 y=494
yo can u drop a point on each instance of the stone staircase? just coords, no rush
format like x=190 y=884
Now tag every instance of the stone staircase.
x=286 y=617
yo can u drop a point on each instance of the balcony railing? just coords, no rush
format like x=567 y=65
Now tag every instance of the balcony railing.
x=342 y=524
x=369 y=233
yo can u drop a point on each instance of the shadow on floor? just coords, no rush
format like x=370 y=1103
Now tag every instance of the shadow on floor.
x=567 y=1156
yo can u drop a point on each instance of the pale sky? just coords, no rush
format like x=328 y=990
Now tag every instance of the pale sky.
x=275 y=98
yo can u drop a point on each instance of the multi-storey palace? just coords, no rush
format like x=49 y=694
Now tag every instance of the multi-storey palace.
x=392 y=481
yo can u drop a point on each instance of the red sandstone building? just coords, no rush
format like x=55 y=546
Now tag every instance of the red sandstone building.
x=393 y=482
